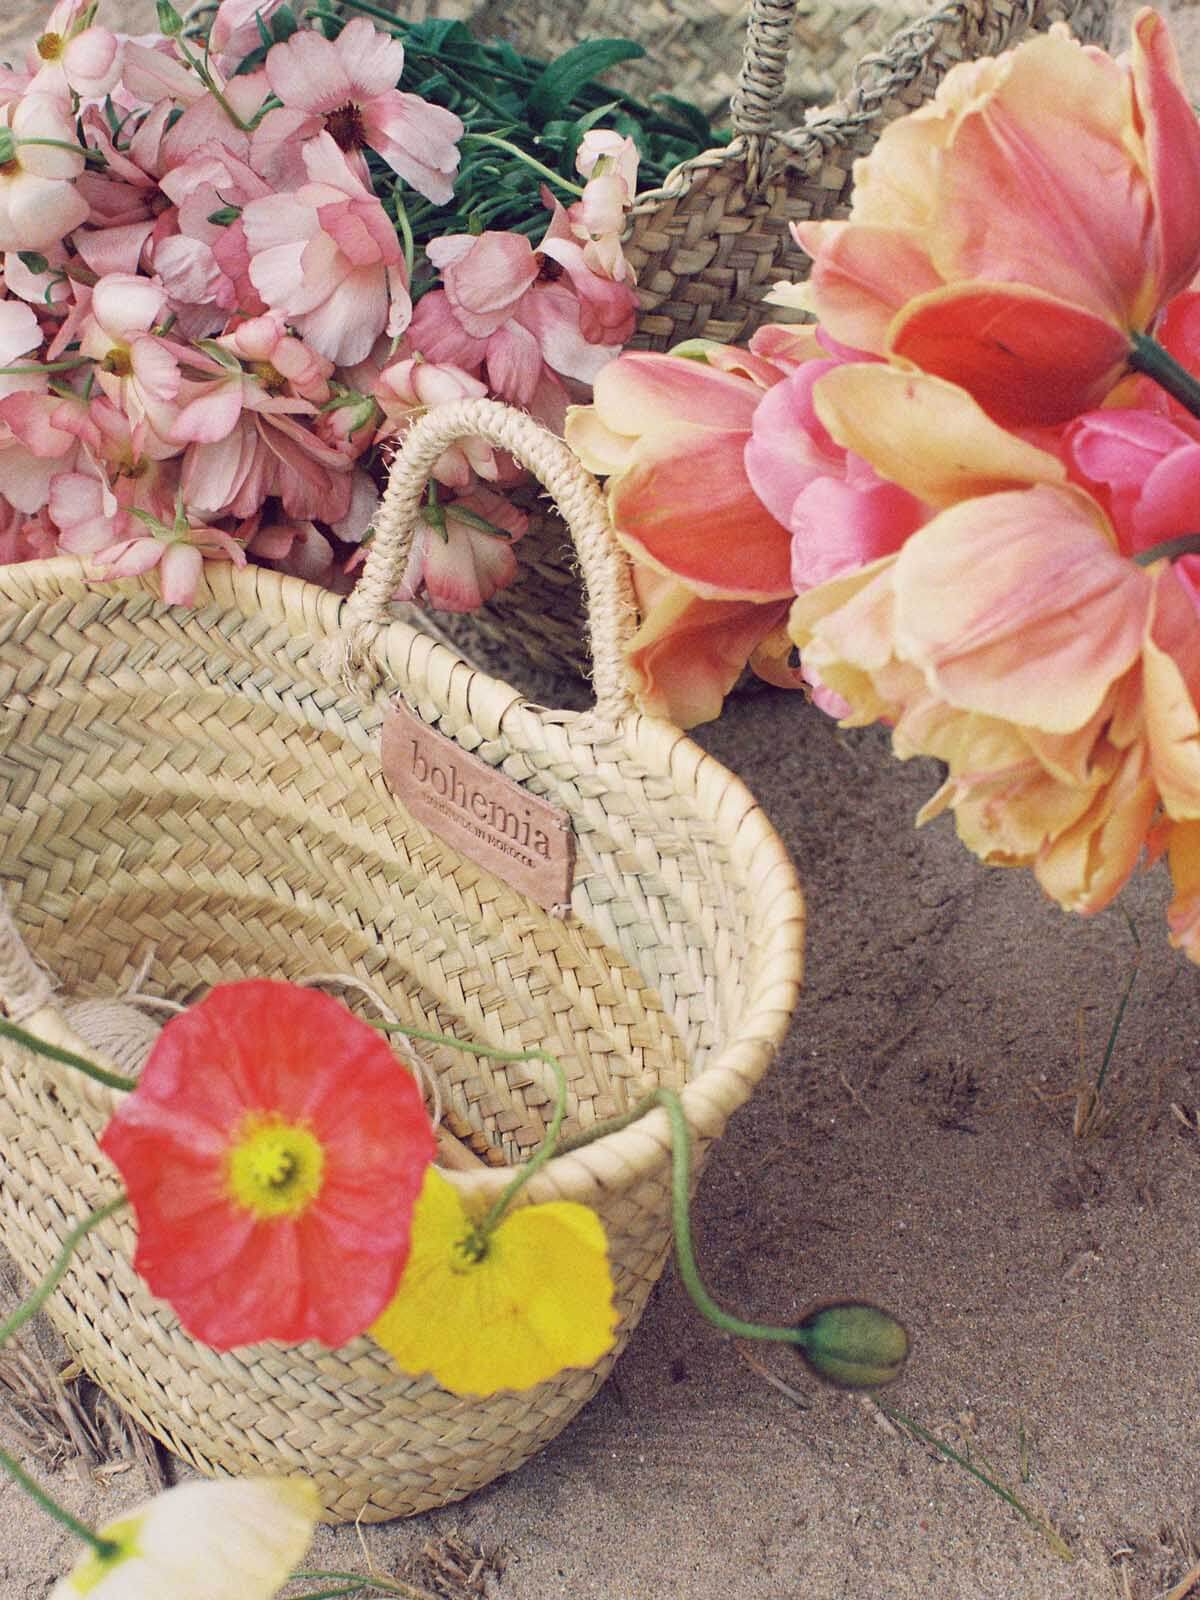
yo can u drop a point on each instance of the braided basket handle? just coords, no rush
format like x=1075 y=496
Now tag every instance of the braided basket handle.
x=611 y=609
x=755 y=101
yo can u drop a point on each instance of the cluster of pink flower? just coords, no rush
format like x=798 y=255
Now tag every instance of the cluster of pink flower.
x=207 y=338
x=969 y=497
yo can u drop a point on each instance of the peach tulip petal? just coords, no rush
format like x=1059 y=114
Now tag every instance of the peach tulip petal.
x=1016 y=605
x=1037 y=191
x=1026 y=357
x=641 y=390
x=1183 y=914
x=689 y=652
x=1172 y=135
x=1171 y=674
x=684 y=504
x=926 y=435
x=862 y=277
x=1084 y=867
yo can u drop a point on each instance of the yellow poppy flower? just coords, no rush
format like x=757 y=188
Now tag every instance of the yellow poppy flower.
x=502 y=1312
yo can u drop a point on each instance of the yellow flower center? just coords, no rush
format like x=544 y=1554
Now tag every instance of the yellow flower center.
x=95 y=1567
x=50 y=46
x=276 y=1168
x=118 y=361
x=270 y=377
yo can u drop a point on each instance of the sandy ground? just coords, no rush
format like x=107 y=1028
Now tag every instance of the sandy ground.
x=913 y=1144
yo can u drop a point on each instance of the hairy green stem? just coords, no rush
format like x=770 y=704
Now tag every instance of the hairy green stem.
x=548 y=1146
x=106 y=1549
x=30 y=1306
x=386 y=1585
x=685 y=1255
x=67 y=1058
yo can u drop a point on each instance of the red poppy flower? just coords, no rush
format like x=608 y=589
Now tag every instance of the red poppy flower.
x=273 y=1151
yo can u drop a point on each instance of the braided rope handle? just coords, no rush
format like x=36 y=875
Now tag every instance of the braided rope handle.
x=755 y=101
x=611 y=609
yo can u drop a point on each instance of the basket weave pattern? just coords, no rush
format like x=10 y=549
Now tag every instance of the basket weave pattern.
x=195 y=788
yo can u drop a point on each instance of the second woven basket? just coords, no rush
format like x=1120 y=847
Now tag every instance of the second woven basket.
x=709 y=245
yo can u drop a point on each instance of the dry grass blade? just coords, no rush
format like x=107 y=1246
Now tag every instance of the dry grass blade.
x=458 y=1569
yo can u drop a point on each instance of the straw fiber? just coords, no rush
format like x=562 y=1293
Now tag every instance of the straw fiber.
x=193 y=796
x=710 y=244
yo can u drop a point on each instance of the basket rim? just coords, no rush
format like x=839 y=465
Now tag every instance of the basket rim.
x=407 y=656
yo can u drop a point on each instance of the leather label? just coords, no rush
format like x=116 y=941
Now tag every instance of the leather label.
x=517 y=836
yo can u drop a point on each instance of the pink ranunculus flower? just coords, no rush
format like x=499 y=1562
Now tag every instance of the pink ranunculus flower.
x=203 y=262
x=457 y=561
x=249 y=432
x=137 y=368
x=501 y=310
x=177 y=544
x=25 y=538
x=39 y=204
x=72 y=56
x=982 y=245
x=327 y=258
x=408 y=388
x=234 y=32
x=297 y=548
x=347 y=86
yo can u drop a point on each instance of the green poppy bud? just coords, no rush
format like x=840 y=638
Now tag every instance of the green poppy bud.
x=853 y=1345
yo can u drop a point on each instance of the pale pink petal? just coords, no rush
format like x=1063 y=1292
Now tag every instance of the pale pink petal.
x=181 y=566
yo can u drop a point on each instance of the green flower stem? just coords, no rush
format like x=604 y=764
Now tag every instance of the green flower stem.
x=1120 y=1016
x=380 y=15
x=598 y=1130
x=96 y=157
x=404 y=226
x=515 y=150
x=47 y=366
x=358 y=1587
x=68 y=1058
x=30 y=1306
x=1148 y=356
x=548 y=1146
x=1184 y=544
x=685 y=1255
x=105 y=1549
x=210 y=83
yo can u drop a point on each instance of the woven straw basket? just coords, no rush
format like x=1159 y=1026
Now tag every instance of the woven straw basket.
x=200 y=790
x=709 y=245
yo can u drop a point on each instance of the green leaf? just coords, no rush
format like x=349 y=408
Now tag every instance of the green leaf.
x=33 y=261
x=562 y=80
